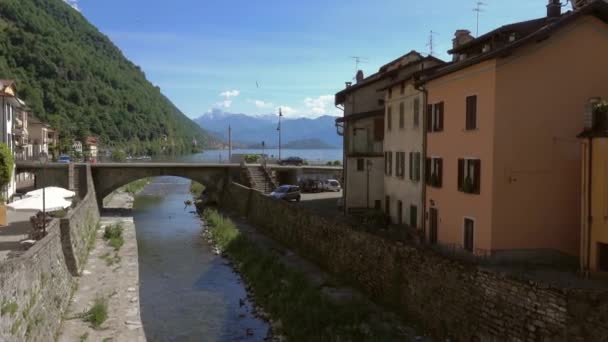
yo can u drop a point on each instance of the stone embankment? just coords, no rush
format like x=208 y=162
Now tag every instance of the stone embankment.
x=447 y=297
x=112 y=275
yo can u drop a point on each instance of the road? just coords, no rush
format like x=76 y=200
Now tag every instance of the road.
x=323 y=203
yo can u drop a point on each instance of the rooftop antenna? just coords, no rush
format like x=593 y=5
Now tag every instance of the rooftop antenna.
x=359 y=60
x=431 y=43
x=478 y=9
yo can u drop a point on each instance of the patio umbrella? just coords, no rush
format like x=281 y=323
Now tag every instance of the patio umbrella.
x=53 y=203
x=52 y=191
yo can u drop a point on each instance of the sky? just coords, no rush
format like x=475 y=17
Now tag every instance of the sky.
x=252 y=57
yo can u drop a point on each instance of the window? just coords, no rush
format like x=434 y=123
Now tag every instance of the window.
x=434 y=172
x=378 y=204
x=400 y=164
x=360 y=164
x=413 y=216
x=469 y=233
x=389 y=118
x=390 y=163
x=602 y=250
x=390 y=92
x=378 y=129
x=415 y=166
x=401 y=115
x=402 y=88
x=471 y=115
x=435 y=117
x=387 y=205
x=399 y=212
x=416 y=112
x=469 y=176
x=386 y=163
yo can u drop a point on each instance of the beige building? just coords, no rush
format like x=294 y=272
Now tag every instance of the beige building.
x=364 y=126
x=404 y=145
x=42 y=137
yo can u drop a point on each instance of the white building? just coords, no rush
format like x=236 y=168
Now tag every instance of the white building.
x=9 y=103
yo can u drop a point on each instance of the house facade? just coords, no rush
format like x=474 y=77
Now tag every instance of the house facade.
x=42 y=137
x=404 y=145
x=91 y=147
x=503 y=162
x=8 y=110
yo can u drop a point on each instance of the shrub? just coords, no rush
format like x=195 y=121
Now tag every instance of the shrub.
x=196 y=189
x=98 y=313
x=7 y=162
x=113 y=234
x=252 y=158
x=119 y=156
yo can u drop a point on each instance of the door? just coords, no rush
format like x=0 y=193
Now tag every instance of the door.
x=413 y=216
x=602 y=264
x=433 y=217
x=399 y=212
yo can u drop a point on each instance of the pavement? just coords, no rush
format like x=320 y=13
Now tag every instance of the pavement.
x=17 y=230
x=111 y=275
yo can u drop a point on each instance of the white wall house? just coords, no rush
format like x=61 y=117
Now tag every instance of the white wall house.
x=8 y=105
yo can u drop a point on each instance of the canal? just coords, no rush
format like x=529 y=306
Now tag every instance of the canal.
x=187 y=293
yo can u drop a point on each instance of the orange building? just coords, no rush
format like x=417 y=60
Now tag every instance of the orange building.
x=503 y=162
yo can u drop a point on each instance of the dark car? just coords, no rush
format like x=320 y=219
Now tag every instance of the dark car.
x=297 y=161
x=287 y=192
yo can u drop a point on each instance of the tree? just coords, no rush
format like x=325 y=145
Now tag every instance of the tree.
x=7 y=163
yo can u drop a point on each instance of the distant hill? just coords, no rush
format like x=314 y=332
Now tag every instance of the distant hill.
x=74 y=77
x=248 y=130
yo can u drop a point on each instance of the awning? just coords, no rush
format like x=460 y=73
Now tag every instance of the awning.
x=52 y=203
x=52 y=191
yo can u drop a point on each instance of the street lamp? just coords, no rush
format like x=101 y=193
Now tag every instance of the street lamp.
x=279 y=129
x=44 y=158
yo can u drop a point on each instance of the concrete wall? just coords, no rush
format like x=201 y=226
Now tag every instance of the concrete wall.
x=36 y=286
x=537 y=165
x=446 y=297
x=407 y=139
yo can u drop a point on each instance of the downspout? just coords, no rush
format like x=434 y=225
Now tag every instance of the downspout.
x=589 y=212
x=344 y=167
x=423 y=157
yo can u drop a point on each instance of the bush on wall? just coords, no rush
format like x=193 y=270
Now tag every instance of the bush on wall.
x=7 y=163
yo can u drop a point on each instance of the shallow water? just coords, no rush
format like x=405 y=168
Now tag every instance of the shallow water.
x=187 y=293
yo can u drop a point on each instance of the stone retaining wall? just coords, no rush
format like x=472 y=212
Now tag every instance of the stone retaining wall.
x=36 y=287
x=447 y=297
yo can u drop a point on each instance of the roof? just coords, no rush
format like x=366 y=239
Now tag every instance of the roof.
x=362 y=115
x=381 y=74
x=5 y=84
x=598 y=8
x=413 y=75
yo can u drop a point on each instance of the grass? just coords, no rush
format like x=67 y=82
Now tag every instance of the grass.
x=9 y=308
x=196 y=189
x=111 y=259
x=113 y=235
x=136 y=186
x=287 y=294
x=98 y=313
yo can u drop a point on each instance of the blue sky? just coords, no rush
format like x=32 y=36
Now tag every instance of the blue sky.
x=208 y=54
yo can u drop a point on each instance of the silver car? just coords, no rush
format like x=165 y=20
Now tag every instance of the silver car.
x=287 y=192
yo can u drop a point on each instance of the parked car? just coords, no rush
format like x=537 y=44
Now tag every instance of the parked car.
x=297 y=161
x=311 y=185
x=331 y=185
x=287 y=193
x=64 y=159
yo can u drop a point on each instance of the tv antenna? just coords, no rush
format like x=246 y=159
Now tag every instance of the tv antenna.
x=431 y=43
x=359 y=60
x=478 y=9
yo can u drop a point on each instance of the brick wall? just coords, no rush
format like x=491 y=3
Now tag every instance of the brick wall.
x=447 y=297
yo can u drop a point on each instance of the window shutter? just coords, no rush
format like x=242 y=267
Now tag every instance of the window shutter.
x=401 y=115
x=385 y=163
x=427 y=171
x=417 y=166
x=411 y=166
x=440 y=116
x=471 y=119
x=416 y=112
x=429 y=118
x=460 y=174
x=440 y=171
x=389 y=118
x=390 y=163
x=477 y=168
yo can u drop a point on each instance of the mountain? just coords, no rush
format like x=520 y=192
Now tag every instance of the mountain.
x=76 y=79
x=248 y=130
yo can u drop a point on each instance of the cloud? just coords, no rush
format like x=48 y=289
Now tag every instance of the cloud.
x=73 y=3
x=261 y=104
x=321 y=105
x=224 y=104
x=230 y=93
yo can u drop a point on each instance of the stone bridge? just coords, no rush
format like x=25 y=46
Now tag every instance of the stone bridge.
x=108 y=177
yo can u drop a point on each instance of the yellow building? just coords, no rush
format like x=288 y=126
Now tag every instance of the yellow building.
x=594 y=197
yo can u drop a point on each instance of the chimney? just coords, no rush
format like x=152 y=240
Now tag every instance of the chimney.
x=554 y=9
x=461 y=37
x=349 y=84
x=359 y=77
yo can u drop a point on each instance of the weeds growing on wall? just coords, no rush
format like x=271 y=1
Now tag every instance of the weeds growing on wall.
x=98 y=313
x=287 y=294
x=113 y=235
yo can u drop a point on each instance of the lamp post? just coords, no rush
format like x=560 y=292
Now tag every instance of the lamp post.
x=368 y=169
x=43 y=161
x=263 y=152
x=279 y=129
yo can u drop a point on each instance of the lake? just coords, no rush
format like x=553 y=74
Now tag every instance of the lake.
x=221 y=156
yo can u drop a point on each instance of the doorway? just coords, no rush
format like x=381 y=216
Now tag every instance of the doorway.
x=433 y=217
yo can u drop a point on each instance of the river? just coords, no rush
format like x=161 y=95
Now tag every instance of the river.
x=187 y=293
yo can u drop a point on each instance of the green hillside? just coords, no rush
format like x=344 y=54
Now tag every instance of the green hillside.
x=74 y=77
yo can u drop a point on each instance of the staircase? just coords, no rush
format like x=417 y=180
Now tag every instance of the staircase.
x=260 y=180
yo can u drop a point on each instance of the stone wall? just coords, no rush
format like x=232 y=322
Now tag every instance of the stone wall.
x=447 y=297
x=36 y=287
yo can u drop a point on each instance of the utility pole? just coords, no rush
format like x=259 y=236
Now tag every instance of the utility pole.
x=431 y=43
x=279 y=129
x=478 y=10
x=229 y=143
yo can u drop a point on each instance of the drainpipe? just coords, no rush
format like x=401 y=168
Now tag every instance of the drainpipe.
x=589 y=212
x=425 y=93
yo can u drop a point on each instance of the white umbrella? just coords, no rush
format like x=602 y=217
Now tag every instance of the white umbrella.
x=53 y=203
x=52 y=191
